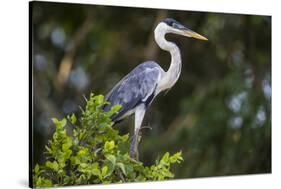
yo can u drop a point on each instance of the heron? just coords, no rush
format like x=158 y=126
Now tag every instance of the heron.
x=136 y=91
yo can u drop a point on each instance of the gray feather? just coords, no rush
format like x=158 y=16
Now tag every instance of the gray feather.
x=135 y=88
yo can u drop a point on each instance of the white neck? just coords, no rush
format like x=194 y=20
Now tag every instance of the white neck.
x=171 y=76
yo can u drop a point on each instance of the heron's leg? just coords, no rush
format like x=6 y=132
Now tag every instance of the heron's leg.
x=139 y=114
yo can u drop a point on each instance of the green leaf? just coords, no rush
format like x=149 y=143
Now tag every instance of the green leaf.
x=73 y=119
x=65 y=147
x=63 y=122
x=95 y=169
x=111 y=158
x=49 y=164
x=165 y=158
x=42 y=182
x=52 y=165
x=82 y=152
x=109 y=145
x=75 y=160
x=104 y=171
x=48 y=149
x=55 y=166
x=122 y=167
x=115 y=108
x=125 y=138
x=36 y=169
x=55 y=121
x=67 y=144
x=83 y=165
x=96 y=172
x=59 y=124
x=99 y=99
x=177 y=157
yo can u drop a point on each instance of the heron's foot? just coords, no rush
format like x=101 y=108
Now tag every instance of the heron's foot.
x=146 y=127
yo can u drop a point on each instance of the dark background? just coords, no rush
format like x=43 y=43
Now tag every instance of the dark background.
x=218 y=113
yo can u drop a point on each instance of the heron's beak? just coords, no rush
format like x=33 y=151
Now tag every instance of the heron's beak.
x=190 y=33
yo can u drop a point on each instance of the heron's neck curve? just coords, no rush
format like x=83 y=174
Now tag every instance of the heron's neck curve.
x=171 y=76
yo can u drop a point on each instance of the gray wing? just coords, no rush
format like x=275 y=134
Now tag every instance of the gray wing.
x=135 y=88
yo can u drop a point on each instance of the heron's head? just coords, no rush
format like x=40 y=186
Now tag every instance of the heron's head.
x=172 y=26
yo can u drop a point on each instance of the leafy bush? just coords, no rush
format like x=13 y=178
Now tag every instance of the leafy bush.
x=89 y=151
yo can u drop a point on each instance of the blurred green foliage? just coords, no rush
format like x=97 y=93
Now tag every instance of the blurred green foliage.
x=90 y=151
x=218 y=113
